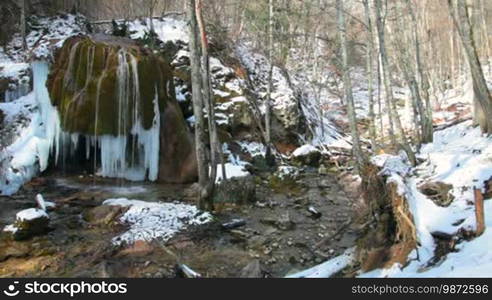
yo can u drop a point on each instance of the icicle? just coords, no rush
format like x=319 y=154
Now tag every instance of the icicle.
x=50 y=136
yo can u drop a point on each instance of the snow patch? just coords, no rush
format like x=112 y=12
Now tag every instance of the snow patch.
x=152 y=220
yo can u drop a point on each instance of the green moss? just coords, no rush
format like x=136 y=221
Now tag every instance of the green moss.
x=77 y=97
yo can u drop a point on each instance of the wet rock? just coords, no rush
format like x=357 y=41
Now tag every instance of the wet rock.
x=307 y=155
x=283 y=222
x=28 y=223
x=257 y=242
x=252 y=270
x=72 y=83
x=239 y=236
x=234 y=223
x=139 y=248
x=104 y=214
x=323 y=170
x=183 y=271
x=236 y=190
x=9 y=248
x=438 y=192
x=315 y=214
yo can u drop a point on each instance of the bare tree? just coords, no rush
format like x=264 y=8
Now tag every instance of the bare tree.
x=347 y=82
x=268 y=100
x=198 y=105
x=482 y=98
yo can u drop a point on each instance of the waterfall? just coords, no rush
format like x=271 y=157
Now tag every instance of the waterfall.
x=133 y=153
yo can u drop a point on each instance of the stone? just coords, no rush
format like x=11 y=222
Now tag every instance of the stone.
x=9 y=248
x=240 y=190
x=283 y=222
x=139 y=248
x=234 y=223
x=323 y=170
x=438 y=192
x=28 y=223
x=104 y=214
x=307 y=155
x=252 y=270
x=83 y=85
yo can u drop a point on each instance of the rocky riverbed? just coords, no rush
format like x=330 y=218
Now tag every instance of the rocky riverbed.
x=290 y=226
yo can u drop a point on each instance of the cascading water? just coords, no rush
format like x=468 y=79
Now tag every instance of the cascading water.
x=133 y=153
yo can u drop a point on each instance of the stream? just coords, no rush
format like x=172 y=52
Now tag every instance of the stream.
x=279 y=232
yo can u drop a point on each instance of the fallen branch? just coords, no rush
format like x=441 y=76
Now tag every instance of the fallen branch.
x=455 y=122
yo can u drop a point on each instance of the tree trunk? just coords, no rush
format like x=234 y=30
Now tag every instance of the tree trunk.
x=208 y=101
x=23 y=23
x=392 y=110
x=198 y=104
x=423 y=83
x=347 y=83
x=369 y=67
x=482 y=97
x=268 y=100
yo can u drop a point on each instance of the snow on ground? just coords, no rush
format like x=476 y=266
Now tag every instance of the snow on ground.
x=47 y=35
x=154 y=220
x=168 y=29
x=460 y=156
x=328 y=268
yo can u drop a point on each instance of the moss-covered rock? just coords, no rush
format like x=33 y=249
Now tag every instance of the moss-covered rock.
x=104 y=85
x=85 y=86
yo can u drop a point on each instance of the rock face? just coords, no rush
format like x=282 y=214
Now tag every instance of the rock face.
x=120 y=97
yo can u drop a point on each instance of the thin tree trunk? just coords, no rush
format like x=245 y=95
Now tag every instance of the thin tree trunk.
x=393 y=113
x=198 y=104
x=369 y=70
x=268 y=100
x=23 y=23
x=423 y=83
x=359 y=156
x=208 y=101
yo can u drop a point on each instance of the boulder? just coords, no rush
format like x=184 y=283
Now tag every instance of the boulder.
x=104 y=214
x=252 y=270
x=240 y=190
x=438 y=192
x=306 y=155
x=28 y=223
x=107 y=86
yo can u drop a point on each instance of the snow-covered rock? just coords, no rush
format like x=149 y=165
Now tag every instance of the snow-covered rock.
x=28 y=223
x=307 y=155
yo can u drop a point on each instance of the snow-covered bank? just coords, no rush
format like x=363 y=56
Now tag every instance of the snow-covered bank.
x=462 y=157
x=30 y=151
x=152 y=220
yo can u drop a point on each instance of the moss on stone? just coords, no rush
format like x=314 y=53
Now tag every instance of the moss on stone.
x=92 y=86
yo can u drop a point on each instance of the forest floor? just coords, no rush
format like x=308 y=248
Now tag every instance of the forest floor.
x=279 y=232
